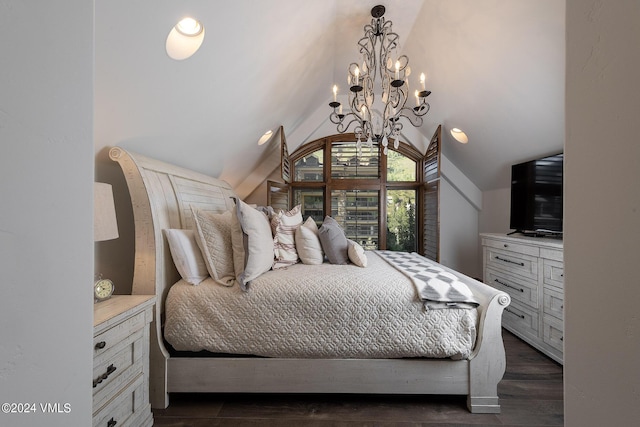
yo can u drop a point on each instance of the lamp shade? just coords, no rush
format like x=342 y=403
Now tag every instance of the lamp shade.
x=105 y=226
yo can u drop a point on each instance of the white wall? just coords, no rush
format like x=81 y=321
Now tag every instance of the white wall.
x=496 y=205
x=46 y=234
x=602 y=214
x=458 y=231
x=494 y=216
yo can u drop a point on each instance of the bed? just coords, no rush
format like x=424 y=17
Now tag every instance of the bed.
x=163 y=196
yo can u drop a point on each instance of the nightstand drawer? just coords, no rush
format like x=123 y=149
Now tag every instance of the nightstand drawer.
x=518 y=288
x=105 y=341
x=121 y=361
x=121 y=409
x=512 y=262
x=113 y=370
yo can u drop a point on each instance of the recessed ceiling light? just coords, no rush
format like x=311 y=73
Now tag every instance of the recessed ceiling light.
x=264 y=138
x=189 y=27
x=185 y=38
x=459 y=135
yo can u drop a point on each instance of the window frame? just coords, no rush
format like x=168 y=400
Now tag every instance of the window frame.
x=380 y=184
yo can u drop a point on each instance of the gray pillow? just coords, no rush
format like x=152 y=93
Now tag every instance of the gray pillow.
x=334 y=242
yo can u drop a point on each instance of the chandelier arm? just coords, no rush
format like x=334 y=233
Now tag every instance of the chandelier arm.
x=347 y=120
x=382 y=60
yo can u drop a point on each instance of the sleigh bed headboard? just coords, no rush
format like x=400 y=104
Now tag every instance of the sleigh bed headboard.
x=171 y=191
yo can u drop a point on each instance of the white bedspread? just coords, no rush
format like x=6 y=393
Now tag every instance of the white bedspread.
x=317 y=311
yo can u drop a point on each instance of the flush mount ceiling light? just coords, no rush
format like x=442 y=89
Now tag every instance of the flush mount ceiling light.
x=459 y=135
x=264 y=138
x=185 y=38
x=381 y=66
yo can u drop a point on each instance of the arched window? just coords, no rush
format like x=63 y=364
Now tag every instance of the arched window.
x=381 y=201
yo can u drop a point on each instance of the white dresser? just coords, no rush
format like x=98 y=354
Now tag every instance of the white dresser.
x=121 y=361
x=531 y=271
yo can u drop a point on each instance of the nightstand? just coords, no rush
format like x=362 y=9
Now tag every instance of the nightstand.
x=121 y=361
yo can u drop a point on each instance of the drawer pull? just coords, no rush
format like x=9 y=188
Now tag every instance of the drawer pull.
x=110 y=370
x=100 y=345
x=521 y=264
x=509 y=286
x=514 y=313
x=111 y=423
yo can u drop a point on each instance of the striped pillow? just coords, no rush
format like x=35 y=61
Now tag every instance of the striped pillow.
x=284 y=225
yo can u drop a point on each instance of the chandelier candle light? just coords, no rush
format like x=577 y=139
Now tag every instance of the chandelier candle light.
x=380 y=50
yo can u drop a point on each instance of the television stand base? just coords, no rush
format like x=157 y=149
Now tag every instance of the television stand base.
x=538 y=233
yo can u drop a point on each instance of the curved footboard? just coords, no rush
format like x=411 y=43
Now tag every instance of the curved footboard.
x=487 y=362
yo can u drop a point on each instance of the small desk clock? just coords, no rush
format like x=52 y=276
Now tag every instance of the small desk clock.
x=103 y=289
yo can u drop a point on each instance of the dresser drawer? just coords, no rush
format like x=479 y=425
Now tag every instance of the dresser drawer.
x=124 y=405
x=512 y=262
x=553 y=273
x=521 y=319
x=533 y=251
x=553 y=254
x=553 y=303
x=114 y=369
x=518 y=288
x=553 y=333
x=103 y=342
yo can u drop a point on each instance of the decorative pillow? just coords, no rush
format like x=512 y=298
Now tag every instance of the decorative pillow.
x=356 y=254
x=258 y=243
x=186 y=255
x=308 y=243
x=284 y=226
x=213 y=235
x=334 y=242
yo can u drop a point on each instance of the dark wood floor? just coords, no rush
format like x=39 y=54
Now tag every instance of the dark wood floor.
x=530 y=392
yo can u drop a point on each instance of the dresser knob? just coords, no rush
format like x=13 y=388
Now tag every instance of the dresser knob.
x=111 y=423
x=100 y=345
x=506 y=246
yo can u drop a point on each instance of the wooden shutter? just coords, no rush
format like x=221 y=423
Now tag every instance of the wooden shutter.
x=278 y=195
x=285 y=163
x=431 y=199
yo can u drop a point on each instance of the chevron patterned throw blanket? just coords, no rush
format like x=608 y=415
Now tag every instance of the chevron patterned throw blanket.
x=437 y=287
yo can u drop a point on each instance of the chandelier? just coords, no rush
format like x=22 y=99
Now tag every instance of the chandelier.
x=383 y=69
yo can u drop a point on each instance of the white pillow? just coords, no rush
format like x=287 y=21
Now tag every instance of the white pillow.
x=284 y=226
x=237 y=243
x=186 y=255
x=356 y=254
x=258 y=243
x=213 y=235
x=308 y=243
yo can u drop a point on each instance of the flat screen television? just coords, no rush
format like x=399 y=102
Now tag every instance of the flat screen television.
x=536 y=196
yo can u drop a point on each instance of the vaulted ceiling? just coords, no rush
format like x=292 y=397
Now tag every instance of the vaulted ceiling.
x=495 y=67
